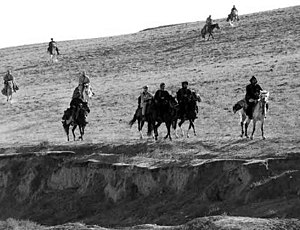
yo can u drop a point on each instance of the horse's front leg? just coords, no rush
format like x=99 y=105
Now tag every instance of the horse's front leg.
x=262 y=130
x=140 y=127
x=73 y=131
x=81 y=130
x=155 y=126
x=242 y=128
x=66 y=128
x=254 y=124
x=168 y=125
x=179 y=125
x=187 y=133
x=174 y=125
x=193 y=126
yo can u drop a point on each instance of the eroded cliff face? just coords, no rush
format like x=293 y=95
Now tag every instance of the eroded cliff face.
x=57 y=187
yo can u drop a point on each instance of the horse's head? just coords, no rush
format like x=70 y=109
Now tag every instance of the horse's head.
x=217 y=26
x=264 y=96
x=173 y=102
x=196 y=96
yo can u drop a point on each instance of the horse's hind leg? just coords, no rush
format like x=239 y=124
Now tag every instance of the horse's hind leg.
x=246 y=127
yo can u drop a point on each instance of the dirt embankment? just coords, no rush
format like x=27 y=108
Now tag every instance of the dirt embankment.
x=55 y=188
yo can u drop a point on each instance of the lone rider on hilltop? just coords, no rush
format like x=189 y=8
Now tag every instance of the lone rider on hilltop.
x=52 y=46
x=234 y=10
x=208 y=22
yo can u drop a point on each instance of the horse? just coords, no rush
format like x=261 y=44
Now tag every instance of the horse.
x=8 y=90
x=259 y=113
x=141 y=121
x=53 y=50
x=87 y=93
x=233 y=16
x=167 y=116
x=209 y=30
x=79 y=120
x=190 y=115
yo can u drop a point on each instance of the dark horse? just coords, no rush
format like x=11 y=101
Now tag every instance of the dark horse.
x=80 y=109
x=167 y=116
x=209 y=30
x=189 y=115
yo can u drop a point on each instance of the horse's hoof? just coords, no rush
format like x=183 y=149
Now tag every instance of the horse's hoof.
x=264 y=138
x=251 y=138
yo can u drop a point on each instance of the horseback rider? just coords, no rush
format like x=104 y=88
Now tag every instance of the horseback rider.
x=83 y=80
x=52 y=45
x=144 y=99
x=9 y=77
x=183 y=96
x=252 y=95
x=161 y=99
x=208 y=22
x=234 y=11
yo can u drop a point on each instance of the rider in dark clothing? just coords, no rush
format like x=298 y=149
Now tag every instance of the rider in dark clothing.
x=183 y=96
x=252 y=94
x=161 y=99
x=233 y=9
x=52 y=45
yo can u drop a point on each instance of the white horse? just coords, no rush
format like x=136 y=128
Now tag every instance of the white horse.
x=259 y=113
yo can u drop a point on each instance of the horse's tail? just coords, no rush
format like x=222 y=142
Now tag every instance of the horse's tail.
x=132 y=121
x=135 y=117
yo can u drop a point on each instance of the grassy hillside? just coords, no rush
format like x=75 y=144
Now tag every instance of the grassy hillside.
x=266 y=45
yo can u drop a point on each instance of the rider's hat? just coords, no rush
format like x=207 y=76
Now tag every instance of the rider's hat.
x=253 y=79
x=145 y=87
x=184 y=83
x=162 y=84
